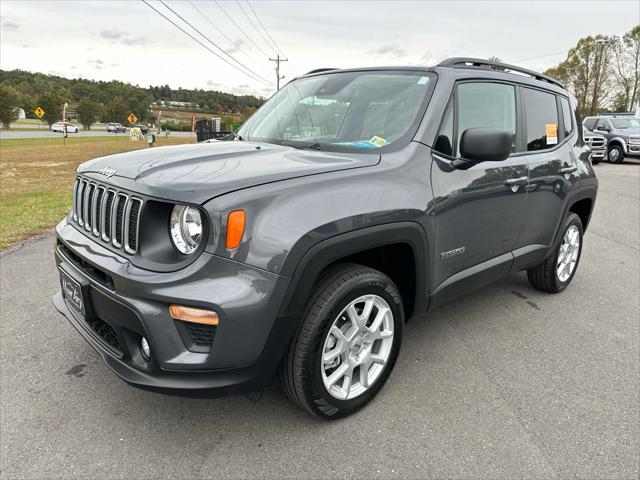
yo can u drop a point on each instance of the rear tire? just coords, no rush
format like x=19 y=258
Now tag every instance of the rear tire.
x=615 y=154
x=347 y=343
x=556 y=272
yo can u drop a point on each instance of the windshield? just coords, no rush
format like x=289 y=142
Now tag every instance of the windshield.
x=349 y=110
x=625 y=123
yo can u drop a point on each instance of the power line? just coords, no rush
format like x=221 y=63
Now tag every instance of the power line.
x=213 y=43
x=265 y=29
x=199 y=42
x=256 y=27
x=221 y=32
x=540 y=56
x=240 y=28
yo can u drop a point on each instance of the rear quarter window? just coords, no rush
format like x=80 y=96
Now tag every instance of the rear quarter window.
x=567 y=117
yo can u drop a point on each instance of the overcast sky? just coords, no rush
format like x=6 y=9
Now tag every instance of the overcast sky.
x=128 y=41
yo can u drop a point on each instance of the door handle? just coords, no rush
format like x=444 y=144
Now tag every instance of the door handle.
x=567 y=170
x=516 y=182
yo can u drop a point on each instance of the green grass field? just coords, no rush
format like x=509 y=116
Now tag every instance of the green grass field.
x=36 y=176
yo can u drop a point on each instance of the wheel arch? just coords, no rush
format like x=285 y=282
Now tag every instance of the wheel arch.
x=581 y=203
x=616 y=141
x=364 y=246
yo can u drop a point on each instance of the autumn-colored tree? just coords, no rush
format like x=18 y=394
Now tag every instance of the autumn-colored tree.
x=589 y=71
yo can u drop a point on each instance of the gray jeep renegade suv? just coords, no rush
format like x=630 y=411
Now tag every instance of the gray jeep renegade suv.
x=350 y=202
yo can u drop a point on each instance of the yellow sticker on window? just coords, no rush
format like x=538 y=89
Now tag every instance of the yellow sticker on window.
x=551 y=132
x=377 y=141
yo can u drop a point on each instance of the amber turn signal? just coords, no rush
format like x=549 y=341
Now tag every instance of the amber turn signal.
x=235 y=228
x=193 y=315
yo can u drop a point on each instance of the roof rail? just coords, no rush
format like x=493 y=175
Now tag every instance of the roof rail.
x=320 y=70
x=463 y=62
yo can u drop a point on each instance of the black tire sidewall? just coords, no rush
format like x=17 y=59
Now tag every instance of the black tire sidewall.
x=319 y=398
x=620 y=154
x=572 y=219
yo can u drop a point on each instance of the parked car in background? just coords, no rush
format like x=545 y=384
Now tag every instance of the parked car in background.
x=597 y=144
x=143 y=128
x=622 y=132
x=115 y=128
x=58 y=127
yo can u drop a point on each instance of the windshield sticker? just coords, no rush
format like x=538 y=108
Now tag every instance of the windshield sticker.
x=375 y=142
x=378 y=141
x=551 y=131
x=423 y=80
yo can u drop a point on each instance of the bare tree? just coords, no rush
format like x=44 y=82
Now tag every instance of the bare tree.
x=627 y=71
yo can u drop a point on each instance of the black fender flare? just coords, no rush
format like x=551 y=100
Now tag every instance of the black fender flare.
x=331 y=250
x=588 y=191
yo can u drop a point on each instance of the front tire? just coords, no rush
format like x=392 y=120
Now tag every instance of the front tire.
x=347 y=343
x=556 y=272
x=615 y=154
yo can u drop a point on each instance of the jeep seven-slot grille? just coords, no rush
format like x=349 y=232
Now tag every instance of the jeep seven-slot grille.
x=110 y=215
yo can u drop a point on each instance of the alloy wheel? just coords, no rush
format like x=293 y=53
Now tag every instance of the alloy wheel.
x=568 y=254
x=357 y=347
x=614 y=154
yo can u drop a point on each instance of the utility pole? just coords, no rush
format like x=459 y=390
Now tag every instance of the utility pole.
x=278 y=77
x=601 y=44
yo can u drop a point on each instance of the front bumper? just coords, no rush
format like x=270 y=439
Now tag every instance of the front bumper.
x=126 y=303
x=632 y=149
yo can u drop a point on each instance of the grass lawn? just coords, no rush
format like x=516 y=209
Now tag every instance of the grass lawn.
x=36 y=176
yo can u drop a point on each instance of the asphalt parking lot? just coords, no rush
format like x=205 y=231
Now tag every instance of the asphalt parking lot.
x=505 y=383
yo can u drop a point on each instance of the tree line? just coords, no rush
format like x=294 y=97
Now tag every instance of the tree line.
x=103 y=101
x=603 y=72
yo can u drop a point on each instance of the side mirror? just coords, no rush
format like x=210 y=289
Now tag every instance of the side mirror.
x=602 y=128
x=483 y=145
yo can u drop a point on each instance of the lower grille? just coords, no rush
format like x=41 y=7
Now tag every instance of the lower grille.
x=201 y=335
x=106 y=332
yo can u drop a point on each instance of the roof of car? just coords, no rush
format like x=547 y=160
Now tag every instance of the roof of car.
x=464 y=67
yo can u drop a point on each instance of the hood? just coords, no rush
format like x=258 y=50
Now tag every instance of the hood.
x=197 y=172
x=626 y=132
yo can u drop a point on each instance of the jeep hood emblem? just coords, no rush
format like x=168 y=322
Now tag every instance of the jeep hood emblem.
x=107 y=172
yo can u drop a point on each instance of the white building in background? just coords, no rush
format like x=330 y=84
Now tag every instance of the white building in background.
x=20 y=115
x=216 y=123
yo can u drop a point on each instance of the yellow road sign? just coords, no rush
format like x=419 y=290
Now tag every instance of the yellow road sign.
x=39 y=112
x=132 y=118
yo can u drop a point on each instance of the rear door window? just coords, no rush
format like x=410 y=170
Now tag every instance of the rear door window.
x=541 y=119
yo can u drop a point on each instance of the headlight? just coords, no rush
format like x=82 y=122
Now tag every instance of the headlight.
x=186 y=228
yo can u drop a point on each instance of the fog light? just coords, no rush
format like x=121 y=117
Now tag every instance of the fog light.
x=145 y=349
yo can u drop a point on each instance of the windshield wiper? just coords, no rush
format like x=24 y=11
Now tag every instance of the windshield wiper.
x=234 y=136
x=306 y=146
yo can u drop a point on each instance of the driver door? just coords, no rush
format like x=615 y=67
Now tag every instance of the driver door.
x=479 y=212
